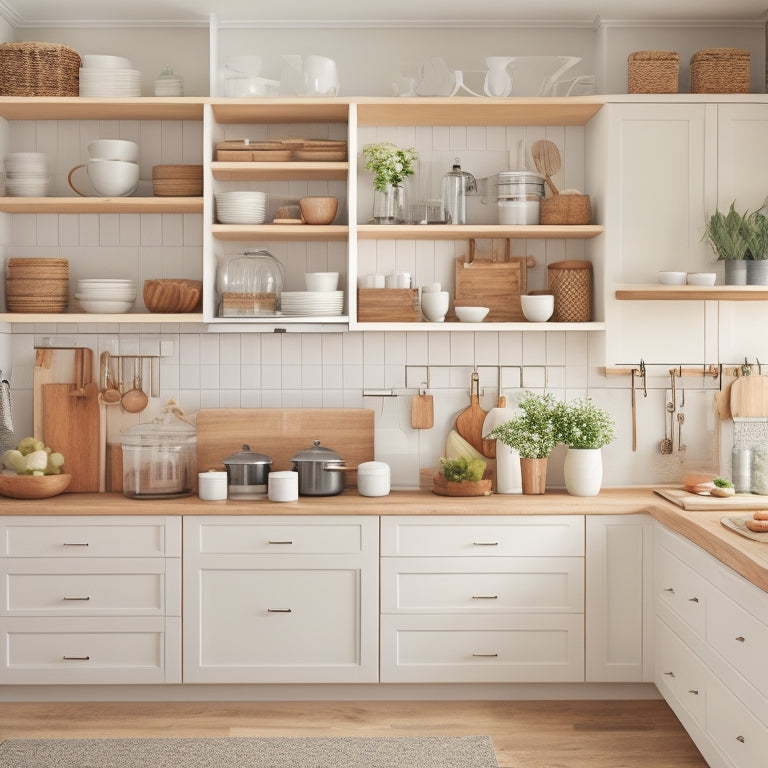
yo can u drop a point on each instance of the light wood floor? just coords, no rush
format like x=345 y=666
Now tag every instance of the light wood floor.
x=534 y=734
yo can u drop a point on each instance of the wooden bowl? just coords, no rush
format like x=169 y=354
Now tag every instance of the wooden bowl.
x=168 y=296
x=33 y=487
x=318 y=210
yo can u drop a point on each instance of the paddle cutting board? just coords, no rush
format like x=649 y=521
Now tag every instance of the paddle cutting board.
x=694 y=502
x=281 y=432
x=749 y=397
x=469 y=423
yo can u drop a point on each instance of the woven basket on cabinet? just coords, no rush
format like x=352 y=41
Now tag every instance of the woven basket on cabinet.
x=720 y=70
x=39 y=69
x=571 y=284
x=653 y=72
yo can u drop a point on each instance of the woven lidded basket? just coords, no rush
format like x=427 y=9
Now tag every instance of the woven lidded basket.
x=571 y=284
x=565 y=209
x=720 y=70
x=652 y=72
x=39 y=69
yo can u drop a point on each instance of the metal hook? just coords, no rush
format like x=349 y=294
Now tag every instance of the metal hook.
x=759 y=367
x=645 y=380
x=423 y=388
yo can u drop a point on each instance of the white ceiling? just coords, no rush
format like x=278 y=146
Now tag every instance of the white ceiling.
x=37 y=13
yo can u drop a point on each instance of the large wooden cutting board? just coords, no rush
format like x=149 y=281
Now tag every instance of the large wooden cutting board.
x=749 y=397
x=694 y=502
x=281 y=432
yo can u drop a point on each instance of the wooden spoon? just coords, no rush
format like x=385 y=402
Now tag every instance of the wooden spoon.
x=135 y=400
x=109 y=392
x=546 y=158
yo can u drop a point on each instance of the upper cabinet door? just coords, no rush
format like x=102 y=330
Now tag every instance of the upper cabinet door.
x=742 y=167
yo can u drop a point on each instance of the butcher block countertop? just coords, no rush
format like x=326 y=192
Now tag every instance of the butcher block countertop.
x=743 y=555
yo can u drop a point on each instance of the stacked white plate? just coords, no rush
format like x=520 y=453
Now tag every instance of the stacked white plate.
x=328 y=303
x=106 y=296
x=241 y=207
x=26 y=174
x=109 y=76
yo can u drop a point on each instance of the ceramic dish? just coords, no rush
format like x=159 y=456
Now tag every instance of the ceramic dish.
x=701 y=278
x=672 y=278
x=471 y=314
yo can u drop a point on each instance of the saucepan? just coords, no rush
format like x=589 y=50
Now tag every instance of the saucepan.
x=321 y=471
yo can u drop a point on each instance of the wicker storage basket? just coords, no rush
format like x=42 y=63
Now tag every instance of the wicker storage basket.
x=652 y=72
x=720 y=70
x=177 y=180
x=571 y=284
x=37 y=284
x=39 y=69
x=247 y=304
x=565 y=209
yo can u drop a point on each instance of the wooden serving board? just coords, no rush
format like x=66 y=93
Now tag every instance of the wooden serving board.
x=749 y=397
x=281 y=432
x=694 y=502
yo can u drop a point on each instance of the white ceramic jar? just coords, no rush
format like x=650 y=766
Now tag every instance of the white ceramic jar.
x=212 y=485
x=373 y=478
x=283 y=486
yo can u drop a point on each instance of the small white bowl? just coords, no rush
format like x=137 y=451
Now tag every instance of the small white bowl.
x=471 y=314
x=672 y=278
x=105 y=306
x=538 y=308
x=701 y=278
x=321 y=281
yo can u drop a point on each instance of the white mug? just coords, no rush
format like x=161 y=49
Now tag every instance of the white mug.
x=398 y=280
x=372 y=281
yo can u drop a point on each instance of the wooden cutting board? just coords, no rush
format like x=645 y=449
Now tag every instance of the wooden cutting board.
x=281 y=432
x=694 y=502
x=469 y=423
x=749 y=397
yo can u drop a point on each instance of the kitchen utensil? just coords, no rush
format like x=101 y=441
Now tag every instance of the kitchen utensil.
x=546 y=158
x=634 y=410
x=321 y=471
x=7 y=435
x=109 y=391
x=422 y=411
x=135 y=399
x=247 y=474
x=373 y=478
x=666 y=446
x=749 y=396
x=158 y=459
x=469 y=423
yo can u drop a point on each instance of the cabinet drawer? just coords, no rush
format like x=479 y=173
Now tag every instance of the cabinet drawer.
x=86 y=537
x=482 y=585
x=679 y=673
x=735 y=730
x=93 y=586
x=83 y=650
x=280 y=535
x=681 y=589
x=492 y=649
x=739 y=637
x=489 y=536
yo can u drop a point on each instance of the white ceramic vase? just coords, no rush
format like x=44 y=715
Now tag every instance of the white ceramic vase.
x=583 y=469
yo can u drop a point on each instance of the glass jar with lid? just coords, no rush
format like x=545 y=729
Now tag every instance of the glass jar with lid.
x=250 y=283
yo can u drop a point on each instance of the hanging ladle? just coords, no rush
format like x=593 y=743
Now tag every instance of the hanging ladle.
x=546 y=158
x=135 y=399
x=109 y=392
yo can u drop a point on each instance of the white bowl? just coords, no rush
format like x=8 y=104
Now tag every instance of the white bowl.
x=105 y=306
x=672 y=278
x=321 y=281
x=701 y=278
x=434 y=306
x=104 y=61
x=470 y=314
x=114 y=149
x=538 y=308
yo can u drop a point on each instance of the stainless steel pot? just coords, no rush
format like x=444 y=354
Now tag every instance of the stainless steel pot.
x=321 y=471
x=247 y=473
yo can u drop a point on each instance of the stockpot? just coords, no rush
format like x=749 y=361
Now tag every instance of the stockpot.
x=321 y=471
x=247 y=473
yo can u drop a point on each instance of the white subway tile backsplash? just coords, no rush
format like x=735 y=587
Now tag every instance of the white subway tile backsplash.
x=151 y=229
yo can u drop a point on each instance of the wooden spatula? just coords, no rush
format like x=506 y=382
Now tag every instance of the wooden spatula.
x=546 y=158
x=469 y=423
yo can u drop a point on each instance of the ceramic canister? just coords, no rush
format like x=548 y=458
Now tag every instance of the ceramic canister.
x=373 y=478
x=283 y=486
x=212 y=485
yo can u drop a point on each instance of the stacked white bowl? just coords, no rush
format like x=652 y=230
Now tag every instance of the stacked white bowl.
x=106 y=295
x=241 y=207
x=26 y=174
x=109 y=76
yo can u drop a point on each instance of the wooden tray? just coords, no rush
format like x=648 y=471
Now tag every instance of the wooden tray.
x=388 y=305
x=694 y=502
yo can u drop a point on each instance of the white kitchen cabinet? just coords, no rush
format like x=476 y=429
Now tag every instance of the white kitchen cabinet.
x=90 y=600
x=281 y=599
x=619 y=598
x=482 y=599
x=711 y=628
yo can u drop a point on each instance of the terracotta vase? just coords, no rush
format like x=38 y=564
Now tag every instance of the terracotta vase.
x=534 y=475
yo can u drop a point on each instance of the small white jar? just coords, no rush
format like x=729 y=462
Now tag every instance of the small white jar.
x=373 y=478
x=283 y=486
x=212 y=485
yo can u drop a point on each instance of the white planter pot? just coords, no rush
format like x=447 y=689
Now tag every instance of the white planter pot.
x=583 y=468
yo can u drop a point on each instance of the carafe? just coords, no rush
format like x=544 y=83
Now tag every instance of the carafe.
x=456 y=184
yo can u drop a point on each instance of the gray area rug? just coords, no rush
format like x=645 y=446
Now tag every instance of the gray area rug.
x=247 y=752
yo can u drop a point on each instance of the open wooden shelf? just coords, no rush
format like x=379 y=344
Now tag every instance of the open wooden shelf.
x=692 y=293
x=80 y=108
x=101 y=204
x=458 y=326
x=328 y=232
x=87 y=317
x=286 y=171
x=465 y=231
x=281 y=110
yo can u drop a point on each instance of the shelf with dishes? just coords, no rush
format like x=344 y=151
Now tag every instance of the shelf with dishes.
x=550 y=327
x=81 y=108
x=692 y=293
x=466 y=231
x=82 y=318
x=280 y=232
x=101 y=205
x=279 y=171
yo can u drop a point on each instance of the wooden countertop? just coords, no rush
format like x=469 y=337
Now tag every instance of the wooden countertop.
x=745 y=556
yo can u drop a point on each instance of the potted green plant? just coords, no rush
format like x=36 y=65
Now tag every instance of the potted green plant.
x=728 y=236
x=585 y=428
x=462 y=476
x=390 y=165
x=534 y=433
x=756 y=235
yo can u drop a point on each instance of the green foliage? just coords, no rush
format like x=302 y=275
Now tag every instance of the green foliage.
x=582 y=424
x=534 y=433
x=756 y=236
x=736 y=236
x=721 y=482
x=456 y=470
x=389 y=163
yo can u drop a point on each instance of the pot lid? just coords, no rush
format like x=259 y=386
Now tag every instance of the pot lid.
x=317 y=453
x=247 y=456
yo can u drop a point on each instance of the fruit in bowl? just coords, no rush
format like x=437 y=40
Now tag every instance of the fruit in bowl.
x=33 y=486
x=32 y=471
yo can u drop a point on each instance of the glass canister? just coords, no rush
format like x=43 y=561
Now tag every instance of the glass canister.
x=456 y=184
x=758 y=470
x=741 y=468
x=519 y=195
x=250 y=283
x=159 y=459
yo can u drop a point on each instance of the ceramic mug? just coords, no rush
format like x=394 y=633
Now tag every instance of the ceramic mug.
x=109 y=178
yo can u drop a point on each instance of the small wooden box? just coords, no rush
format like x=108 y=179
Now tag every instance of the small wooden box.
x=247 y=304
x=388 y=305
